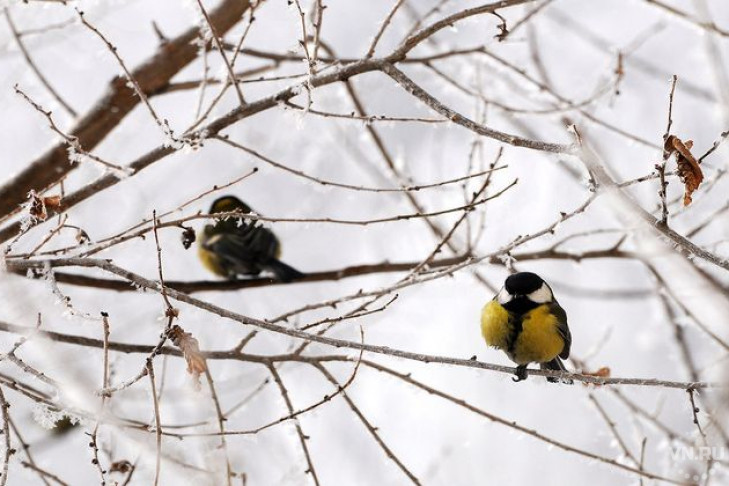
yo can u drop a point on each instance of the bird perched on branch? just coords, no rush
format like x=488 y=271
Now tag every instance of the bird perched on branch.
x=525 y=321
x=238 y=246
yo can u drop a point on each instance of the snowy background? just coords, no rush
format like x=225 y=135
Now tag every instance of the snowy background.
x=615 y=311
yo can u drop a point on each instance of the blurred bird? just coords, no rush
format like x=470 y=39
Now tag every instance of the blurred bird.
x=237 y=246
x=525 y=321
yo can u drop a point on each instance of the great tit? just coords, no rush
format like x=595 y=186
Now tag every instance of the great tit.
x=238 y=246
x=525 y=321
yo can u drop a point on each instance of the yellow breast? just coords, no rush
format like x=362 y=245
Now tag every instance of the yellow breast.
x=209 y=259
x=495 y=325
x=539 y=340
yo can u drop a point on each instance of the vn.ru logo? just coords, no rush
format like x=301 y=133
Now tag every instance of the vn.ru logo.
x=701 y=453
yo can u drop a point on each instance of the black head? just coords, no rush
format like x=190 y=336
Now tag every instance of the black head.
x=524 y=291
x=523 y=283
x=228 y=204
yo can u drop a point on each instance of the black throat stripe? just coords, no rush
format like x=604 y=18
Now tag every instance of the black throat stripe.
x=515 y=328
x=520 y=305
x=517 y=307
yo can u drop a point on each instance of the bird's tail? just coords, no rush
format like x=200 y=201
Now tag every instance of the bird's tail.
x=283 y=272
x=556 y=365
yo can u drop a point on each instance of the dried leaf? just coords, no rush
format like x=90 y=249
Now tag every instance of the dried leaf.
x=122 y=466
x=53 y=202
x=689 y=170
x=190 y=351
x=603 y=372
x=188 y=238
x=38 y=207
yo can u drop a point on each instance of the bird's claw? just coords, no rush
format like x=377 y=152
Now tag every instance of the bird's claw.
x=521 y=374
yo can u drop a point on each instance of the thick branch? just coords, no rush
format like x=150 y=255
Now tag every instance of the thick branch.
x=191 y=286
x=223 y=285
x=236 y=355
x=459 y=119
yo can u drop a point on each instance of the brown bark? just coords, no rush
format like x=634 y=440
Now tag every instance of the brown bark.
x=226 y=285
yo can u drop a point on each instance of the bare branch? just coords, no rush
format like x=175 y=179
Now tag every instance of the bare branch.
x=34 y=68
x=117 y=102
x=157 y=421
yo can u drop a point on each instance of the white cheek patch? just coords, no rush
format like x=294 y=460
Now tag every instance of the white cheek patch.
x=542 y=295
x=503 y=297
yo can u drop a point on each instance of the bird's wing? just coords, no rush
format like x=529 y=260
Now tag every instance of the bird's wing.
x=245 y=250
x=562 y=328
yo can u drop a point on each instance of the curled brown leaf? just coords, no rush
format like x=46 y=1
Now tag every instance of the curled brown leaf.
x=602 y=372
x=36 y=208
x=39 y=205
x=190 y=351
x=122 y=466
x=53 y=202
x=689 y=170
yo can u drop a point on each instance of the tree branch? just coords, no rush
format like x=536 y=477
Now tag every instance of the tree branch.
x=118 y=101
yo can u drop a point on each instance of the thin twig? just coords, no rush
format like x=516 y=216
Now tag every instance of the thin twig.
x=661 y=168
x=45 y=475
x=407 y=378
x=708 y=26
x=105 y=384
x=130 y=78
x=217 y=42
x=318 y=20
x=299 y=431
x=4 y=406
x=30 y=463
x=72 y=141
x=515 y=140
x=383 y=27
x=170 y=311
x=370 y=428
x=613 y=430
x=353 y=187
x=34 y=68
x=221 y=425
x=695 y=413
x=157 y=422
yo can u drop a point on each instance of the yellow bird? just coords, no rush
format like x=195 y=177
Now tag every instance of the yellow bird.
x=525 y=321
x=238 y=246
